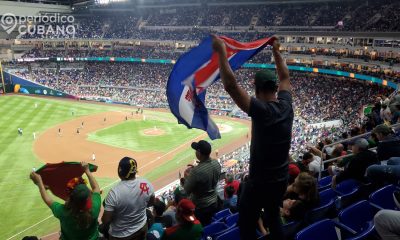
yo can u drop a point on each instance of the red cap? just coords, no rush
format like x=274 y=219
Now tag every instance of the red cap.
x=293 y=170
x=186 y=209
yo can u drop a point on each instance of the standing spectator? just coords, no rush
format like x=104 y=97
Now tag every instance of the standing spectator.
x=125 y=204
x=188 y=226
x=272 y=118
x=78 y=216
x=201 y=183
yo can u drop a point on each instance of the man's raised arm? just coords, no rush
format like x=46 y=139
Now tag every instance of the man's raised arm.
x=281 y=68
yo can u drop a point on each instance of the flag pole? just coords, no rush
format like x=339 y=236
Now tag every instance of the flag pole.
x=2 y=79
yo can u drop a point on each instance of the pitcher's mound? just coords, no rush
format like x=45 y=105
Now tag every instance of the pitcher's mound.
x=153 y=132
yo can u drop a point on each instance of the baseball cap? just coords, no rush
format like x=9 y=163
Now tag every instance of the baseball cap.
x=265 y=76
x=203 y=146
x=126 y=167
x=81 y=192
x=185 y=209
x=382 y=129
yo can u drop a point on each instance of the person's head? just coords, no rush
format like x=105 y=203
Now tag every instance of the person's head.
x=293 y=209
x=185 y=212
x=355 y=131
x=203 y=149
x=30 y=238
x=382 y=131
x=158 y=207
x=337 y=150
x=127 y=168
x=345 y=135
x=307 y=158
x=327 y=141
x=79 y=203
x=360 y=145
x=265 y=82
x=305 y=186
x=228 y=178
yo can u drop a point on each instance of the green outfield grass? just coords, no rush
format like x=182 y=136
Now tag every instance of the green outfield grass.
x=21 y=205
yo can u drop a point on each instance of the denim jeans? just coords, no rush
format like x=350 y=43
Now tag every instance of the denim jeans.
x=255 y=196
x=383 y=173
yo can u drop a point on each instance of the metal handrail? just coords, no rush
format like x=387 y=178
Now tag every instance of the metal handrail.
x=395 y=126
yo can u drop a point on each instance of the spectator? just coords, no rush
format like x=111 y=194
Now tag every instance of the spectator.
x=388 y=145
x=272 y=119
x=78 y=216
x=387 y=224
x=231 y=199
x=202 y=181
x=313 y=163
x=294 y=170
x=229 y=181
x=304 y=188
x=188 y=226
x=358 y=165
x=125 y=204
x=160 y=221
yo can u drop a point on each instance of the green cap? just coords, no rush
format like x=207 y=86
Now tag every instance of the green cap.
x=265 y=76
x=81 y=192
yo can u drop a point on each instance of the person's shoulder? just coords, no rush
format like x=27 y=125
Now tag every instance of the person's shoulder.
x=171 y=230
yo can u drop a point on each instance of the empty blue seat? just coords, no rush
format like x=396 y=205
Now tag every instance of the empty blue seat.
x=324 y=183
x=326 y=208
x=231 y=234
x=325 y=230
x=213 y=229
x=221 y=215
x=384 y=197
x=347 y=192
x=231 y=220
x=359 y=217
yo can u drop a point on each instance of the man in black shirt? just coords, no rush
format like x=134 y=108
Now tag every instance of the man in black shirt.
x=272 y=118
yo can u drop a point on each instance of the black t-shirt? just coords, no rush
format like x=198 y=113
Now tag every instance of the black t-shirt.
x=271 y=135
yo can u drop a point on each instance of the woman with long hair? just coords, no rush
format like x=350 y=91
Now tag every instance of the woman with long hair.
x=78 y=216
x=304 y=188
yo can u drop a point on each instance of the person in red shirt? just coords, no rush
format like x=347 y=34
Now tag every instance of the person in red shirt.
x=229 y=181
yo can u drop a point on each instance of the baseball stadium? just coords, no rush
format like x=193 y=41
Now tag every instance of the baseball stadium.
x=94 y=81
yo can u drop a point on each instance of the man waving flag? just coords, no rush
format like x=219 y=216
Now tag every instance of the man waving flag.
x=195 y=71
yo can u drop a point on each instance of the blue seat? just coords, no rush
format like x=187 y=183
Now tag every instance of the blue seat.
x=213 y=229
x=221 y=215
x=326 y=207
x=290 y=229
x=326 y=230
x=347 y=192
x=231 y=234
x=359 y=217
x=324 y=183
x=384 y=197
x=231 y=220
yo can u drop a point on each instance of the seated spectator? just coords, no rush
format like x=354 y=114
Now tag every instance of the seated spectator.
x=387 y=224
x=385 y=173
x=304 y=188
x=160 y=221
x=188 y=226
x=361 y=160
x=125 y=204
x=388 y=143
x=231 y=199
x=313 y=163
x=78 y=216
x=294 y=170
x=202 y=181
x=229 y=181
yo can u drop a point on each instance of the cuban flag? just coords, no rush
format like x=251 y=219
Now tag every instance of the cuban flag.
x=198 y=69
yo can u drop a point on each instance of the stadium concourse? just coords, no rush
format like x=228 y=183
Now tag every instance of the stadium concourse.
x=346 y=123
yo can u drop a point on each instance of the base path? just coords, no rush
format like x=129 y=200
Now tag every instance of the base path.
x=52 y=147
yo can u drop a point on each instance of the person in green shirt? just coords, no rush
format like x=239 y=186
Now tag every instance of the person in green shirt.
x=78 y=216
x=188 y=226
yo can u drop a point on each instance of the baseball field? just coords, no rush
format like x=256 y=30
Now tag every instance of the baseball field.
x=55 y=130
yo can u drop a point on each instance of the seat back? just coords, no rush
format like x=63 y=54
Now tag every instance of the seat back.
x=221 y=214
x=324 y=229
x=358 y=216
x=232 y=220
x=213 y=229
x=232 y=234
x=326 y=208
x=384 y=197
x=324 y=183
x=347 y=187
